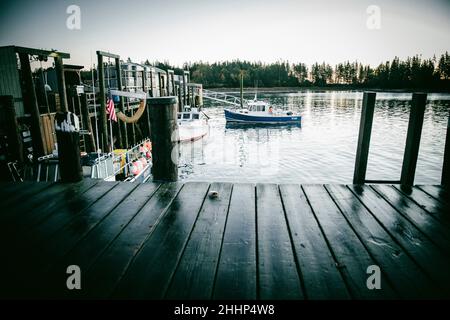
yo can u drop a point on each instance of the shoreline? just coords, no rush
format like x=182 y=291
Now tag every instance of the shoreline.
x=324 y=89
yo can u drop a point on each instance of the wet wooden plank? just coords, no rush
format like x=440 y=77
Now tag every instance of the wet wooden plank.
x=236 y=271
x=149 y=274
x=89 y=248
x=42 y=251
x=277 y=270
x=321 y=278
x=439 y=210
x=13 y=193
x=426 y=223
x=39 y=207
x=424 y=252
x=402 y=272
x=439 y=193
x=108 y=269
x=194 y=277
x=353 y=258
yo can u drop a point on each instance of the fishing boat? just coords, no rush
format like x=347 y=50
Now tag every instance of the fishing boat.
x=192 y=125
x=260 y=112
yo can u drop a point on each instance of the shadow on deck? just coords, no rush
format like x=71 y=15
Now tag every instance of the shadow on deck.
x=266 y=241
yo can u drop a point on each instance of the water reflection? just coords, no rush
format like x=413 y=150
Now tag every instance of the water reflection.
x=323 y=149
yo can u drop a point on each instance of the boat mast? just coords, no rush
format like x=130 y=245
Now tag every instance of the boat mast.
x=242 y=89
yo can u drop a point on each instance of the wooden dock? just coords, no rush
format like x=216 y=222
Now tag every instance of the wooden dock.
x=264 y=241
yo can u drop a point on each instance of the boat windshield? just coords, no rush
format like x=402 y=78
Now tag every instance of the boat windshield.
x=195 y=116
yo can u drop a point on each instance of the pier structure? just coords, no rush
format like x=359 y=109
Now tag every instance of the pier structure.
x=29 y=122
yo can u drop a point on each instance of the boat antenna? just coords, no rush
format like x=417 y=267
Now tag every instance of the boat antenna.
x=242 y=89
x=256 y=90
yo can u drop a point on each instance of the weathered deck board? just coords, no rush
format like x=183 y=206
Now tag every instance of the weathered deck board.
x=155 y=263
x=405 y=276
x=423 y=251
x=277 y=270
x=194 y=277
x=437 y=192
x=429 y=225
x=262 y=241
x=321 y=278
x=236 y=276
x=351 y=255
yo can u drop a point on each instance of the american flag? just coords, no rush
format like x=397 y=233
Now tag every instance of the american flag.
x=110 y=110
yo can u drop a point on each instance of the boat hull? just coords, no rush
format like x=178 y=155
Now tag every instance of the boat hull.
x=232 y=116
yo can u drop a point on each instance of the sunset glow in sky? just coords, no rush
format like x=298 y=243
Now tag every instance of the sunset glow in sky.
x=210 y=30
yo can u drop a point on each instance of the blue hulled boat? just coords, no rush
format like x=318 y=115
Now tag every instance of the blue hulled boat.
x=260 y=112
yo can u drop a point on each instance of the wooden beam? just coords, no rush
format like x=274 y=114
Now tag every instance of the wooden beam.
x=31 y=104
x=39 y=52
x=445 y=181
x=123 y=137
x=413 y=138
x=59 y=68
x=103 y=127
x=107 y=54
x=365 y=130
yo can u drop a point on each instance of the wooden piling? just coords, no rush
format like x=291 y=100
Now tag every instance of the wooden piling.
x=413 y=138
x=15 y=147
x=31 y=105
x=445 y=181
x=59 y=68
x=68 y=137
x=163 y=118
x=365 y=130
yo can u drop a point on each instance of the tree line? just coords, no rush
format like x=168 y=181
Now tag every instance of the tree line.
x=413 y=72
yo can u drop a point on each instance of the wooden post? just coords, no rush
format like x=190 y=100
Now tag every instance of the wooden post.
x=184 y=88
x=418 y=103
x=31 y=104
x=180 y=100
x=163 y=118
x=67 y=134
x=15 y=147
x=445 y=181
x=147 y=112
x=87 y=124
x=59 y=68
x=123 y=138
x=365 y=130
x=103 y=127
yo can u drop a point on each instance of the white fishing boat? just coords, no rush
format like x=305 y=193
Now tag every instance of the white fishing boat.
x=192 y=125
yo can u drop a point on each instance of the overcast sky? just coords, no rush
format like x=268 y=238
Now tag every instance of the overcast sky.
x=211 y=30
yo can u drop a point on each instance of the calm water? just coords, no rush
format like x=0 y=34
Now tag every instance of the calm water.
x=323 y=149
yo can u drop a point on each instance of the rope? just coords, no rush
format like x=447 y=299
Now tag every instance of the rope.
x=135 y=117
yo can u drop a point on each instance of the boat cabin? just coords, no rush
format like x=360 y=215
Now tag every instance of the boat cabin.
x=187 y=116
x=257 y=106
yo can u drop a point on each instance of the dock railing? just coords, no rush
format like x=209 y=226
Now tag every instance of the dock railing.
x=412 y=142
